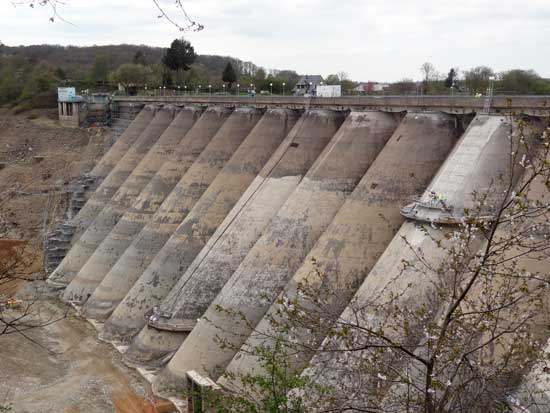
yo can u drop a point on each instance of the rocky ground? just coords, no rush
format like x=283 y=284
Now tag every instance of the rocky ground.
x=60 y=367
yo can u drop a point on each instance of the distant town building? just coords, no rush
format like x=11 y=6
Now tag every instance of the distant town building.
x=307 y=85
x=371 y=87
x=328 y=91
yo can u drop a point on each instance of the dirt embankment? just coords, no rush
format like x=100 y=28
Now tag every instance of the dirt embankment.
x=37 y=159
x=60 y=367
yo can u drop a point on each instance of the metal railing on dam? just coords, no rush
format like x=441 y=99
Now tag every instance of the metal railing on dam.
x=528 y=105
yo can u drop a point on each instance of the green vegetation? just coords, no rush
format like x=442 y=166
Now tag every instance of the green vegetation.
x=29 y=75
x=179 y=57
x=477 y=80
x=24 y=85
x=229 y=75
x=131 y=74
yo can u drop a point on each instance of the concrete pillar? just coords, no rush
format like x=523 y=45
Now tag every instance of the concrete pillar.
x=83 y=247
x=264 y=275
x=259 y=145
x=483 y=160
x=200 y=223
x=98 y=263
x=316 y=198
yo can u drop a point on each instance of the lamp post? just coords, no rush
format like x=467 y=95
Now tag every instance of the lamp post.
x=491 y=86
x=179 y=87
x=238 y=89
x=145 y=89
x=160 y=90
x=284 y=84
x=185 y=89
x=271 y=88
x=223 y=86
x=210 y=89
x=164 y=91
x=199 y=90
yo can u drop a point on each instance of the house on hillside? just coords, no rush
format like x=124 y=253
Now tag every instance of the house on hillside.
x=307 y=85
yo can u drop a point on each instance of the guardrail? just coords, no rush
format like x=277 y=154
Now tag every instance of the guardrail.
x=529 y=105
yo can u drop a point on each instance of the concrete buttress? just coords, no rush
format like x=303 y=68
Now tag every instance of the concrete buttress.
x=123 y=143
x=478 y=160
x=310 y=206
x=222 y=147
x=424 y=138
x=145 y=206
x=98 y=263
x=79 y=253
x=312 y=131
x=343 y=256
x=237 y=174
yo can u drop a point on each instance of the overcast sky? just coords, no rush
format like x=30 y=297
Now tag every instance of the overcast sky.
x=379 y=40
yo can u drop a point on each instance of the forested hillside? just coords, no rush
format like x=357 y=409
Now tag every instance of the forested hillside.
x=29 y=73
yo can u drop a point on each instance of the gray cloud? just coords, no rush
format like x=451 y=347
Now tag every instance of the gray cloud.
x=369 y=39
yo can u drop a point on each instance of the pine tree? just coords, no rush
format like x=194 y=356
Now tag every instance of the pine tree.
x=180 y=56
x=229 y=74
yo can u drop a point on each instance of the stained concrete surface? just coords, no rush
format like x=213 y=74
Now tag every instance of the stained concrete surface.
x=81 y=250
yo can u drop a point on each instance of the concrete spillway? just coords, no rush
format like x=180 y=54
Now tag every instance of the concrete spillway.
x=334 y=174
x=79 y=253
x=98 y=264
x=485 y=161
x=123 y=143
x=185 y=194
x=191 y=236
x=280 y=251
x=232 y=180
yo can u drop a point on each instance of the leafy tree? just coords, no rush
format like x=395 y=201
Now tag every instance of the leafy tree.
x=332 y=79
x=100 y=70
x=130 y=74
x=259 y=79
x=477 y=79
x=60 y=73
x=428 y=74
x=229 y=75
x=403 y=87
x=523 y=82
x=139 y=58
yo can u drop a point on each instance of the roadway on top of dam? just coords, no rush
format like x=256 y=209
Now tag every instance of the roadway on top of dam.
x=500 y=104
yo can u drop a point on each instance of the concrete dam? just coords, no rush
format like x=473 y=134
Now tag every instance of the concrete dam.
x=208 y=203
